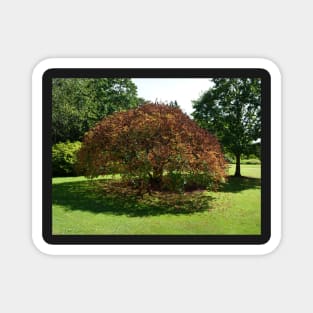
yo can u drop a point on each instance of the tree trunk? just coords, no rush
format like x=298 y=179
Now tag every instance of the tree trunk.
x=237 y=172
x=156 y=179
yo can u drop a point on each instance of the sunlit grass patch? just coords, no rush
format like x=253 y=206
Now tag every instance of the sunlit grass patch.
x=81 y=206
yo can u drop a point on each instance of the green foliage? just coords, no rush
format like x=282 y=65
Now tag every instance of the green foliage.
x=174 y=181
x=180 y=182
x=253 y=151
x=231 y=110
x=250 y=161
x=245 y=159
x=78 y=103
x=64 y=157
x=229 y=157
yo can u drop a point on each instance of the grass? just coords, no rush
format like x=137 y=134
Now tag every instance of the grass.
x=79 y=208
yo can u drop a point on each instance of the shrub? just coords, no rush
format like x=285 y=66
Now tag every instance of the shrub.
x=64 y=158
x=245 y=159
x=180 y=182
x=155 y=146
x=250 y=161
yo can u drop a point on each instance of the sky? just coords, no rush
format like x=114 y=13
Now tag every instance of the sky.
x=183 y=90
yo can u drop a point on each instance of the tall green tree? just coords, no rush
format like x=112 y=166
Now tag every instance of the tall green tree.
x=79 y=103
x=231 y=109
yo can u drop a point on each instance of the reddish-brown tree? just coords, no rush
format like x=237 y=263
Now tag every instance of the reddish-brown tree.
x=154 y=146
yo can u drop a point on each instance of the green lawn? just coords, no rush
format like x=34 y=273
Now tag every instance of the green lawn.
x=79 y=208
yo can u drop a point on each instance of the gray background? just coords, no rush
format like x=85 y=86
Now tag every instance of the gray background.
x=34 y=30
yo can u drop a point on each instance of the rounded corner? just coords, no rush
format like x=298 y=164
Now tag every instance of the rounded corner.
x=271 y=67
x=271 y=245
x=41 y=245
x=42 y=67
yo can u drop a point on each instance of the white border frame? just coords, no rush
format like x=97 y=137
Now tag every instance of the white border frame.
x=133 y=249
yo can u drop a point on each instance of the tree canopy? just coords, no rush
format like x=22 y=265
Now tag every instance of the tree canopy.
x=231 y=110
x=79 y=103
x=154 y=146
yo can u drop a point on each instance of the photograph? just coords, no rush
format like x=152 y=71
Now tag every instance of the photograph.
x=156 y=156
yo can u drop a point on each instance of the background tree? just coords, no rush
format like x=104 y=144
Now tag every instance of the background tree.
x=145 y=143
x=78 y=103
x=231 y=109
x=173 y=103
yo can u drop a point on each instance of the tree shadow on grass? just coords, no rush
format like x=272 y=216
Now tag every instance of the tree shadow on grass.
x=238 y=184
x=93 y=197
